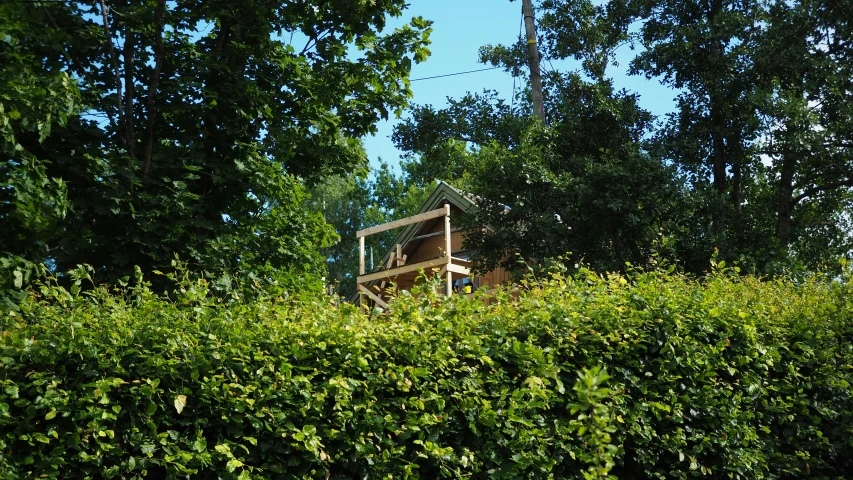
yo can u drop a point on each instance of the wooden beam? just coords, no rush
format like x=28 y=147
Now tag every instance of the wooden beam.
x=439 y=212
x=362 y=304
x=433 y=234
x=458 y=269
x=373 y=296
x=449 y=281
x=435 y=262
x=399 y=253
x=361 y=256
x=461 y=260
x=447 y=235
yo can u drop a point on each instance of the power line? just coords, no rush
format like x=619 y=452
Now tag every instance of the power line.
x=452 y=74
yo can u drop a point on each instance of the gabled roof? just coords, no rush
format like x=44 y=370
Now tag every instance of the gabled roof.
x=443 y=193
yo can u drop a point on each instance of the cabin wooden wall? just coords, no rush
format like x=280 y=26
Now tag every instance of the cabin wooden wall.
x=434 y=247
x=495 y=277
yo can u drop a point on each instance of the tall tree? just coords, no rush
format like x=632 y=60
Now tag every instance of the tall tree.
x=761 y=128
x=806 y=51
x=583 y=185
x=36 y=96
x=203 y=121
x=435 y=141
x=703 y=49
x=760 y=119
x=343 y=201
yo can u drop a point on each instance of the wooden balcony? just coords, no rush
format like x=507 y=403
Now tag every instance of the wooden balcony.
x=396 y=269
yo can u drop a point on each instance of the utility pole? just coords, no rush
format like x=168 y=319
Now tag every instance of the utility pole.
x=533 y=59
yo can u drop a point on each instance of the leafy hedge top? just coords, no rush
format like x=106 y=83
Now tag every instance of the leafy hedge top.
x=724 y=376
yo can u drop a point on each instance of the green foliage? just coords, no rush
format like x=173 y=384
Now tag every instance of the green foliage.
x=201 y=126
x=435 y=141
x=596 y=423
x=342 y=200
x=583 y=185
x=759 y=129
x=34 y=99
x=725 y=376
x=755 y=161
x=277 y=251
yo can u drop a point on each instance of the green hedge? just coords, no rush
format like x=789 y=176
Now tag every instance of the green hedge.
x=720 y=377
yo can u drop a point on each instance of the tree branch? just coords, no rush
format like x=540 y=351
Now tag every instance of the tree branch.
x=152 y=87
x=129 y=91
x=848 y=182
x=314 y=40
x=76 y=64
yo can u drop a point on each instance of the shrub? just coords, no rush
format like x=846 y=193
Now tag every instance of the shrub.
x=722 y=376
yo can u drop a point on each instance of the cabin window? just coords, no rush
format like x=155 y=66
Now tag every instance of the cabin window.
x=466 y=285
x=462 y=254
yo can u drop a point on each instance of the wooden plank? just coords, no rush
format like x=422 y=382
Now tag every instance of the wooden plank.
x=439 y=212
x=448 y=253
x=435 y=262
x=461 y=260
x=399 y=252
x=361 y=256
x=448 y=250
x=373 y=296
x=459 y=269
x=390 y=263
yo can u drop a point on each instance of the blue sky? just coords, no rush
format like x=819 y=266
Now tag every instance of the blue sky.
x=460 y=27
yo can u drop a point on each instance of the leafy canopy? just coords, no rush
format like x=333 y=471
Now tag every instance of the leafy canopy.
x=200 y=123
x=755 y=161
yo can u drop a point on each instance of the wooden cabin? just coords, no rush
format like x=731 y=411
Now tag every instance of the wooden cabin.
x=423 y=244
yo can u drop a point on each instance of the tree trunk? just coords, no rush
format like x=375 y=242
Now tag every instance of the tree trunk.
x=718 y=159
x=736 y=156
x=785 y=200
x=718 y=127
x=533 y=60
x=114 y=58
x=152 y=87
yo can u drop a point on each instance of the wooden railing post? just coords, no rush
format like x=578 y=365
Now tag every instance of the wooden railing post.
x=448 y=249
x=361 y=304
x=361 y=256
x=402 y=267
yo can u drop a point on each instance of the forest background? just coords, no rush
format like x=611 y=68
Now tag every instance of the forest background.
x=229 y=135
